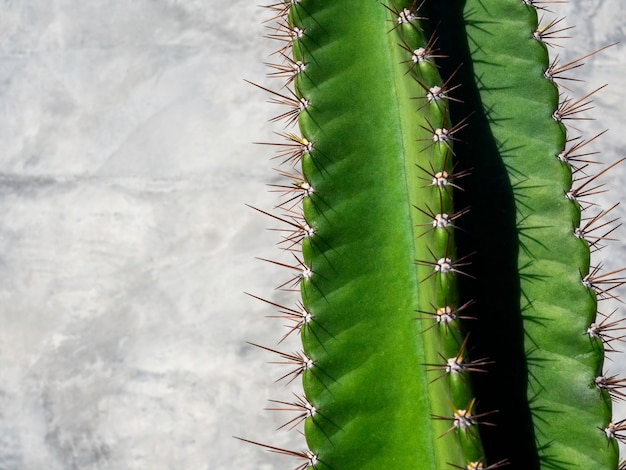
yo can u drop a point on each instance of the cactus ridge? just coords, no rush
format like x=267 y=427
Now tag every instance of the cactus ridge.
x=415 y=142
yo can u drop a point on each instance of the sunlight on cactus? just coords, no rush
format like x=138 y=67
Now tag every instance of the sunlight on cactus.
x=438 y=219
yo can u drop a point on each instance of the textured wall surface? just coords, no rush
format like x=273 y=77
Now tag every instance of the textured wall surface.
x=126 y=159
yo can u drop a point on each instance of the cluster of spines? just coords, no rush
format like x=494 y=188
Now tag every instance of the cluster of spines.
x=597 y=227
x=437 y=221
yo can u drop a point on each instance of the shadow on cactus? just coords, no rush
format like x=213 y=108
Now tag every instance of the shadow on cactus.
x=438 y=225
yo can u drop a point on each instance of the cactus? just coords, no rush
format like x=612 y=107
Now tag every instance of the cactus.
x=450 y=314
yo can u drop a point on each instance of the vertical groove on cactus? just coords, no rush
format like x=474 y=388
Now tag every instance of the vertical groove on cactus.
x=449 y=308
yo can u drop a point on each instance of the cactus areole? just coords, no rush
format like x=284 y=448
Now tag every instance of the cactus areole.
x=438 y=232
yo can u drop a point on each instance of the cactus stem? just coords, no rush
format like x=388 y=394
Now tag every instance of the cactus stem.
x=527 y=244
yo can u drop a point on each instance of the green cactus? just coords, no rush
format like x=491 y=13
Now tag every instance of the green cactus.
x=449 y=310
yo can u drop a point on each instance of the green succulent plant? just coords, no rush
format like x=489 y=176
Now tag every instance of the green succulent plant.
x=450 y=315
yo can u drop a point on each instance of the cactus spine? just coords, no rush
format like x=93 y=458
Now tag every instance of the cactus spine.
x=409 y=114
